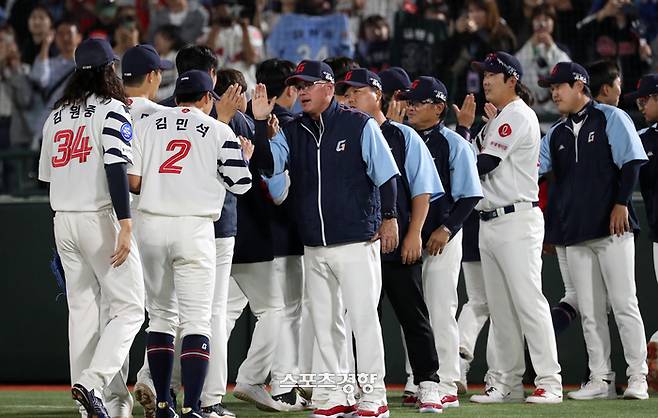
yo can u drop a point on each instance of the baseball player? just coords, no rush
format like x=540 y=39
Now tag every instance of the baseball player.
x=402 y=269
x=86 y=147
x=454 y=160
x=646 y=98
x=597 y=141
x=342 y=180
x=511 y=236
x=181 y=169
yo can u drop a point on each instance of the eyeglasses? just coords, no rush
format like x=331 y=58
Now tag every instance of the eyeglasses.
x=642 y=101
x=308 y=84
x=417 y=103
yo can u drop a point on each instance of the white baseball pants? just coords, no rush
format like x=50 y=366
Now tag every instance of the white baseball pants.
x=608 y=264
x=570 y=296
x=475 y=312
x=347 y=277
x=178 y=254
x=510 y=248
x=440 y=279
x=98 y=343
x=214 y=387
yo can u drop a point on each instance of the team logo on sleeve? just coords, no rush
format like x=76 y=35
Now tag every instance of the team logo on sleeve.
x=126 y=132
x=505 y=130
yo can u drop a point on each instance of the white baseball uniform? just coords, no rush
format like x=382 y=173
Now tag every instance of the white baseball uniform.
x=78 y=141
x=186 y=161
x=510 y=248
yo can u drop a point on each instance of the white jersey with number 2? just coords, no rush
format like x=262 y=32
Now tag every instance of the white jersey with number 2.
x=187 y=160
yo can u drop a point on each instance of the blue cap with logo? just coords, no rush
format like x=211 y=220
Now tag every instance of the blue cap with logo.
x=394 y=79
x=311 y=71
x=565 y=72
x=194 y=81
x=647 y=86
x=142 y=59
x=424 y=88
x=361 y=77
x=93 y=53
x=500 y=63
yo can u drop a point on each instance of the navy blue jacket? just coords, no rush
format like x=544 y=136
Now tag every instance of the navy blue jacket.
x=335 y=199
x=587 y=171
x=649 y=178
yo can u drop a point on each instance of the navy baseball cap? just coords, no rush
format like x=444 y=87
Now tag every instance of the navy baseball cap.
x=361 y=77
x=565 y=72
x=647 y=86
x=194 y=81
x=424 y=88
x=500 y=63
x=142 y=59
x=393 y=79
x=93 y=53
x=311 y=71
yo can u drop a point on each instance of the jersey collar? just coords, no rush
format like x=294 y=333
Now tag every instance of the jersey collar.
x=580 y=116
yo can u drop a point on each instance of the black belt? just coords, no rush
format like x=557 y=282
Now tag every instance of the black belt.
x=493 y=214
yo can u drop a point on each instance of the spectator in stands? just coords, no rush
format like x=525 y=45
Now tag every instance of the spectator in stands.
x=126 y=35
x=373 y=48
x=167 y=42
x=40 y=24
x=614 y=33
x=341 y=66
x=105 y=22
x=50 y=74
x=478 y=32
x=419 y=38
x=236 y=43
x=538 y=56
x=189 y=16
x=605 y=82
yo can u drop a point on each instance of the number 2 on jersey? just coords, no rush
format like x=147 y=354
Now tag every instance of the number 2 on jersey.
x=183 y=146
x=71 y=148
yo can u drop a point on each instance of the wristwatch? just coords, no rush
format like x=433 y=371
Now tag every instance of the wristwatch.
x=390 y=214
x=445 y=228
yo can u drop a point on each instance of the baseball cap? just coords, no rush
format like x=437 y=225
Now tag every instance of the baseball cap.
x=311 y=71
x=647 y=86
x=424 y=88
x=142 y=59
x=93 y=53
x=194 y=81
x=500 y=63
x=565 y=72
x=361 y=77
x=393 y=79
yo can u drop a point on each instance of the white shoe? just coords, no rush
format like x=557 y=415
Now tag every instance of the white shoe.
x=595 y=389
x=290 y=401
x=544 y=397
x=492 y=395
x=637 y=388
x=429 y=398
x=449 y=401
x=409 y=387
x=372 y=410
x=144 y=393
x=464 y=366
x=257 y=395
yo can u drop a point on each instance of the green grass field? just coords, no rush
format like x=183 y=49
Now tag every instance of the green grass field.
x=57 y=404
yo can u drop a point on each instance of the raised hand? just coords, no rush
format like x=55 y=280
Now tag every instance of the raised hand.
x=260 y=105
x=229 y=103
x=465 y=115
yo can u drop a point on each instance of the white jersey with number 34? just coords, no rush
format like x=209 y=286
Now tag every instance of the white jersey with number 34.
x=187 y=160
x=78 y=141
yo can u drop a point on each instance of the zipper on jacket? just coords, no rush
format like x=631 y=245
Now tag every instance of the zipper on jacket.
x=318 y=141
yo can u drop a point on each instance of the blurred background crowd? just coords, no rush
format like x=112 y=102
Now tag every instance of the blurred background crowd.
x=425 y=37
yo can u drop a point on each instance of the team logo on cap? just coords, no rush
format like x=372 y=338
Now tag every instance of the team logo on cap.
x=126 y=132
x=505 y=130
x=300 y=68
x=554 y=71
x=579 y=77
x=348 y=76
x=415 y=84
x=440 y=95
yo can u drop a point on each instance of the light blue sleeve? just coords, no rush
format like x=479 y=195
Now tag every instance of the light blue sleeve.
x=545 y=160
x=419 y=166
x=278 y=186
x=624 y=141
x=464 y=178
x=280 y=152
x=380 y=164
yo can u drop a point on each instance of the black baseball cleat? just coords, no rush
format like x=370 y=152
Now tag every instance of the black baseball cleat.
x=217 y=410
x=164 y=410
x=290 y=401
x=89 y=401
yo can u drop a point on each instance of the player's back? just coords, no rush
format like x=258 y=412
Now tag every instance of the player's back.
x=78 y=140
x=141 y=108
x=178 y=156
